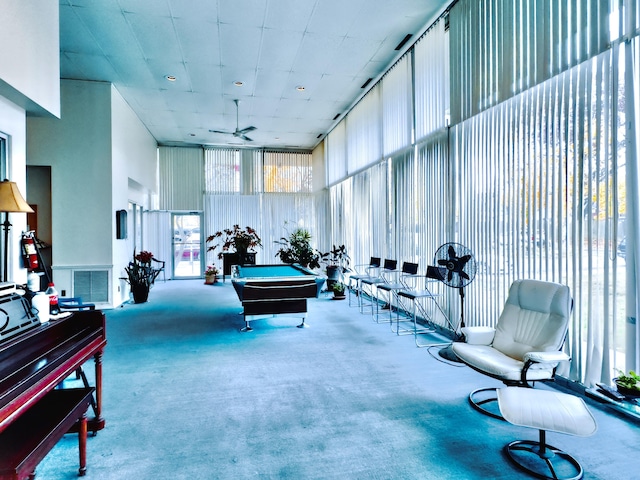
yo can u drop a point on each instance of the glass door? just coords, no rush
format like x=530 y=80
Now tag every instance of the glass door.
x=187 y=245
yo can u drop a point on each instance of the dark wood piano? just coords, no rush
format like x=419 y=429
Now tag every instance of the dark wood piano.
x=34 y=414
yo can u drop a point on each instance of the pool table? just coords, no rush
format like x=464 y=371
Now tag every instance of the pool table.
x=269 y=290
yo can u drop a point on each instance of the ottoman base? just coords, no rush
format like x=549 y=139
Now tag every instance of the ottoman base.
x=542 y=460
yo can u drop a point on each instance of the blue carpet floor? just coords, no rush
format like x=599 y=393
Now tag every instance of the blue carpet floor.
x=188 y=396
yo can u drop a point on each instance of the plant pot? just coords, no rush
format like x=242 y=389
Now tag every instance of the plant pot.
x=626 y=391
x=339 y=296
x=210 y=279
x=140 y=293
x=333 y=275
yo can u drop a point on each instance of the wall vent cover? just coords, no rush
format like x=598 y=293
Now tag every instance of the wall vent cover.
x=91 y=285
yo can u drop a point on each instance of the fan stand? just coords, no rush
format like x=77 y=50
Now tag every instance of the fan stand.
x=447 y=352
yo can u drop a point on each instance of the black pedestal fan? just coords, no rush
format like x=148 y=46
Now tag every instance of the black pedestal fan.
x=456 y=267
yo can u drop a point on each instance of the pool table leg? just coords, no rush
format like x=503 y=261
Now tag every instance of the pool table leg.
x=303 y=325
x=247 y=327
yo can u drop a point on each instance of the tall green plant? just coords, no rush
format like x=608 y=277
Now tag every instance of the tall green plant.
x=296 y=248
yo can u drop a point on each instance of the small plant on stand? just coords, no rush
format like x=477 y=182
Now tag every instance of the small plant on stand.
x=338 y=291
x=337 y=261
x=211 y=275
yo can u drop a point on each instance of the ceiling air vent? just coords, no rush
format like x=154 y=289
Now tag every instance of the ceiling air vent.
x=404 y=41
x=364 y=85
x=337 y=114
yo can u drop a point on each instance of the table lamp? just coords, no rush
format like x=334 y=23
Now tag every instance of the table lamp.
x=10 y=201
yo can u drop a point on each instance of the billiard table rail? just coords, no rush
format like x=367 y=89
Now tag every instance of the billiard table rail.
x=267 y=297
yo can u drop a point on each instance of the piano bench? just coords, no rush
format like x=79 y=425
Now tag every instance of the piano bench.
x=25 y=442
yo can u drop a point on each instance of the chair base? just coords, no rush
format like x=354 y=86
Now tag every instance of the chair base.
x=486 y=402
x=542 y=460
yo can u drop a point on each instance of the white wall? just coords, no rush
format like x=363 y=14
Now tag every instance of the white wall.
x=78 y=148
x=96 y=149
x=12 y=125
x=134 y=175
x=30 y=55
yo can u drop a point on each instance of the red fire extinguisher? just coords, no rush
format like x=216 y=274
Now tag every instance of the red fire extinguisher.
x=30 y=253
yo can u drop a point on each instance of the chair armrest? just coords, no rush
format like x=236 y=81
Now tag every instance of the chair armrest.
x=546 y=357
x=479 y=335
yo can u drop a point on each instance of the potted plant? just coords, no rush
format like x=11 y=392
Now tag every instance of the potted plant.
x=296 y=248
x=140 y=275
x=337 y=261
x=628 y=384
x=211 y=275
x=338 y=289
x=240 y=240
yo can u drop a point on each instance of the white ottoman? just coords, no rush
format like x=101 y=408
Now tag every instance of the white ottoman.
x=547 y=411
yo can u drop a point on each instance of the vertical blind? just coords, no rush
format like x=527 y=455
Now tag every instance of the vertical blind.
x=538 y=176
x=397 y=118
x=500 y=47
x=363 y=135
x=431 y=71
x=181 y=180
x=287 y=172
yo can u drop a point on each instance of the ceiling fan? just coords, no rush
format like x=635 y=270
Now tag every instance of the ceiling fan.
x=238 y=132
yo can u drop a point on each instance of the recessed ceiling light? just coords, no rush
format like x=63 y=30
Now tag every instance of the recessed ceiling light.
x=300 y=88
x=171 y=78
x=192 y=134
x=238 y=83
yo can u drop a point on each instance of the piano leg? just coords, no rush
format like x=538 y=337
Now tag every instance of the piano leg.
x=97 y=423
x=82 y=446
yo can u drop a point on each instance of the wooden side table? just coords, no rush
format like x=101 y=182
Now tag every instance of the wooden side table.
x=233 y=258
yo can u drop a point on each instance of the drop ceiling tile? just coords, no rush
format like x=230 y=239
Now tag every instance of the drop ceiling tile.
x=279 y=49
x=196 y=10
x=249 y=13
x=198 y=40
x=329 y=46
x=334 y=17
x=156 y=36
x=146 y=7
x=74 y=35
x=316 y=52
x=94 y=67
x=295 y=12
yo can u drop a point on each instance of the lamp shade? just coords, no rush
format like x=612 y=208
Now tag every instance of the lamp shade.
x=11 y=200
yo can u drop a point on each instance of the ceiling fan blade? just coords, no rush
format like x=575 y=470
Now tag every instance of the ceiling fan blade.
x=247 y=130
x=244 y=137
x=221 y=131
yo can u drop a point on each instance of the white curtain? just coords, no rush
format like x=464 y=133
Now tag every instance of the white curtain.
x=363 y=135
x=500 y=48
x=397 y=118
x=181 y=178
x=157 y=234
x=632 y=80
x=431 y=72
x=540 y=193
x=336 y=153
x=287 y=172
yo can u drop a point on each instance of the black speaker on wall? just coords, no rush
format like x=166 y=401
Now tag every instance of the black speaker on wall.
x=121 y=224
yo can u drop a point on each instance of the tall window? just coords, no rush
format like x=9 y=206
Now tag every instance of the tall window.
x=287 y=172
